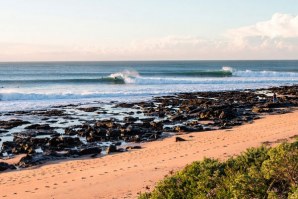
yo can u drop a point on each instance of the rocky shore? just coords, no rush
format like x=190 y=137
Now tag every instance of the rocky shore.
x=98 y=129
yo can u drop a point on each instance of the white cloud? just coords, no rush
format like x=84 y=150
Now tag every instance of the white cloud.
x=280 y=32
x=279 y=26
x=276 y=38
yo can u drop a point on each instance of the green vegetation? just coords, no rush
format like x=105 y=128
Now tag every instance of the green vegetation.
x=258 y=173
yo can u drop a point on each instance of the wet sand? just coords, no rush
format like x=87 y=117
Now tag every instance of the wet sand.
x=124 y=175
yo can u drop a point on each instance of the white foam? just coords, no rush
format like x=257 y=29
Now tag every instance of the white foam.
x=227 y=68
x=249 y=73
x=127 y=75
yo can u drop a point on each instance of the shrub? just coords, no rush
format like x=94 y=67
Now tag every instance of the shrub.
x=257 y=173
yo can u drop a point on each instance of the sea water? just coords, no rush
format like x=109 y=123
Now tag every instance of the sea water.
x=39 y=85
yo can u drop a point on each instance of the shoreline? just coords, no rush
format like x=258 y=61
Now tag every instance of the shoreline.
x=108 y=176
x=66 y=132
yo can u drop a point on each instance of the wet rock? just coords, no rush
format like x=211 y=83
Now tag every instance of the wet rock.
x=183 y=128
x=111 y=149
x=7 y=147
x=27 y=145
x=70 y=131
x=130 y=119
x=90 y=150
x=150 y=136
x=227 y=114
x=64 y=142
x=117 y=143
x=12 y=123
x=125 y=105
x=205 y=115
x=50 y=113
x=5 y=166
x=32 y=160
x=38 y=132
x=89 y=109
x=256 y=109
x=86 y=151
x=158 y=126
x=39 y=126
x=3 y=131
x=105 y=123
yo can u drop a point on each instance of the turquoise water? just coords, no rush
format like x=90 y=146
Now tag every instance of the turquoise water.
x=38 y=85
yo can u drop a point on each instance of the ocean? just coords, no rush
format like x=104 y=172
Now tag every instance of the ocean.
x=39 y=85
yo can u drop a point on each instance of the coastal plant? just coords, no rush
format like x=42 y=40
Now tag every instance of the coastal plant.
x=282 y=168
x=257 y=173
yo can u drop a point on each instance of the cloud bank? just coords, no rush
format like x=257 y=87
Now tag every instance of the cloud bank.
x=276 y=38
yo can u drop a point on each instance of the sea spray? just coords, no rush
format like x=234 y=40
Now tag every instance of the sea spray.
x=128 y=76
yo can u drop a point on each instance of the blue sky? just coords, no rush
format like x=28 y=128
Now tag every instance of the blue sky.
x=148 y=30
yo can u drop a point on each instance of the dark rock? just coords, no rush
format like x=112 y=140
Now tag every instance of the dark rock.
x=227 y=114
x=130 y=119
x=94 y=155
x=31 y=160
x=36 y=132
x=179 y=139
x=89 y=109
x=105 y=124
x=133 y=147
x=178 y=118
x=121 y=150
x=64 y=142
x=7 y=146
x=111 y=149
x=3 y=131
x=4 y=166
x=53 y=112
x=117 y=143
x=150 y=136
x=39 y=126
x=256 y=109
x=12 y=123
x=90 y=150
x=183 y=128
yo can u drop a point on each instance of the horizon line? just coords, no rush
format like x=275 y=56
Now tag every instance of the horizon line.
x=161 y=60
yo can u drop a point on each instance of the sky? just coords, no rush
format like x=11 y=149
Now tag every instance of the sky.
x=98 y=30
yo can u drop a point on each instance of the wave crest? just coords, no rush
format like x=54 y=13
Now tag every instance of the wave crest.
x=127 y=76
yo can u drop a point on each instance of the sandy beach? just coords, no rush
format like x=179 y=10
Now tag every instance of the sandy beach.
x=124 y=175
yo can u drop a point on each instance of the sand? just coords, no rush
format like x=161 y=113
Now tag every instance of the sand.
x=124 y=175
